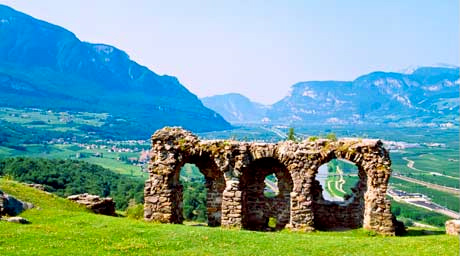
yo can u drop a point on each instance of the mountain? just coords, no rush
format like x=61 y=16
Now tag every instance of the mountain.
x=428 y=96
x=46 y=66
x=236 y=108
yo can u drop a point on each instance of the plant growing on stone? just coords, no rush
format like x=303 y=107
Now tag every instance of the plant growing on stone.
x=313 y=138
x=331 y=136
x=291 y=135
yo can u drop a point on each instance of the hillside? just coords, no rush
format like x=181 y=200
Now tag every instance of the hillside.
x=48 y=67
x=426 y=97
x=70 y=177
x=236 y=108
x=61 y=227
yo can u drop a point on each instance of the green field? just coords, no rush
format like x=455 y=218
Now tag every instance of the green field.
x=445 y=199
x=427 y=163
x=49 y=119
x=30 y=133
x=27 y=132
x=59 y=227
x=109 y=159
x=339 y=186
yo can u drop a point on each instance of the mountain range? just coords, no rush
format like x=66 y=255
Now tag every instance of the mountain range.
x=46 y=66
x=236 y=108
x=427 y=96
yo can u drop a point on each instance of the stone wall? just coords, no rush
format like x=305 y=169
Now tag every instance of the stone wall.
x=235 y=173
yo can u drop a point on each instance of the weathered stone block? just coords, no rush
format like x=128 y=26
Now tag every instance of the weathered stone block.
x=105 y=206
x=453 y=227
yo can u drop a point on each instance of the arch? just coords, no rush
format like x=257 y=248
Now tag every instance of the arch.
x=347 y=214
x=214 y=183
x=235 y=174
x=257 y=208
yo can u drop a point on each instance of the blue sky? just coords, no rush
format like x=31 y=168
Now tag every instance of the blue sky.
x=260 y=48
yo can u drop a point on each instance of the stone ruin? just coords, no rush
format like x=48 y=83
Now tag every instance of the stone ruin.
x=453 y=227
x=235 y=172
x=96 y=204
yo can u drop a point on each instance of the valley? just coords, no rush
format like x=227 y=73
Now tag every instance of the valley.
x=310 y=86
x=424 y=161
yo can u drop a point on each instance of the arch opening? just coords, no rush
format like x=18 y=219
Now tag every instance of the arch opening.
x=198 y=186
x=338 y=193
x=194 y=194
x=338 y=178
x=271 y=186
x=266 y=185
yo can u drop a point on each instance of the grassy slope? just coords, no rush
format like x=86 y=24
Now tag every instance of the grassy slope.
x=60 y=227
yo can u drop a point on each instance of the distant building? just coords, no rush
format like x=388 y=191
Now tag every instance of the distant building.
x=98 y=154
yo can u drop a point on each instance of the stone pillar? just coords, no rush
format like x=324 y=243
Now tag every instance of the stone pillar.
x=377 y=212
x=232 y=205
x=283 y=200
x=214 y=189
x=162 y=202
x=301 y=213
x=302 y=217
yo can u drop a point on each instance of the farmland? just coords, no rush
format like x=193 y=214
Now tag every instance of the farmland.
x=426 y=154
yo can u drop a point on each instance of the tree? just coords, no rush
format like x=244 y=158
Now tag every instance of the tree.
x=291 y=134
x=68 y=177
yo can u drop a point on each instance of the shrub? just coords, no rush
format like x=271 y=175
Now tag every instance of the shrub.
x=313 y=138
x=331 y=136
x=68 y=177
x=135 y=211
x=291 y=134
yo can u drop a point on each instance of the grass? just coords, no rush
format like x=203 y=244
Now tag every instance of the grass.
x=117 y=166
x=59 y=227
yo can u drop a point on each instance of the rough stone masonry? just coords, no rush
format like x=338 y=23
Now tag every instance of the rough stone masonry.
x=235 y=172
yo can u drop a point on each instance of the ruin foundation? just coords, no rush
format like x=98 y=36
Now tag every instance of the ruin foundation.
x=235 y=173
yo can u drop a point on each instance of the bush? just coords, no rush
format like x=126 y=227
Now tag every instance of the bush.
x=313 y=138
x=408 y=222
x=413 y=213
x=135 y=211
x=69 y=177
x=291 y=135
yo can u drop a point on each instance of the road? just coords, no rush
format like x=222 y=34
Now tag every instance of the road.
x=424 y=203
x=455 y=191
x=410 y=165
x=276 y=131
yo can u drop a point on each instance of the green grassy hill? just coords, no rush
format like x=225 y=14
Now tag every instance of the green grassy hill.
x=59 y=227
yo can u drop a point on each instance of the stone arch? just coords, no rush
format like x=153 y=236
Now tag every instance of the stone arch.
x=256 y=207
x=172 y=148
x=214 y=183
x=242 y=167
x=334 y=214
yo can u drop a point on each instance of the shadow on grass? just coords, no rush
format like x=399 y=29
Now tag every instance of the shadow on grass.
x=423 y=232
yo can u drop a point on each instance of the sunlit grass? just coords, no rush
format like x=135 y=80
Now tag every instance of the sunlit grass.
x=59 y=227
